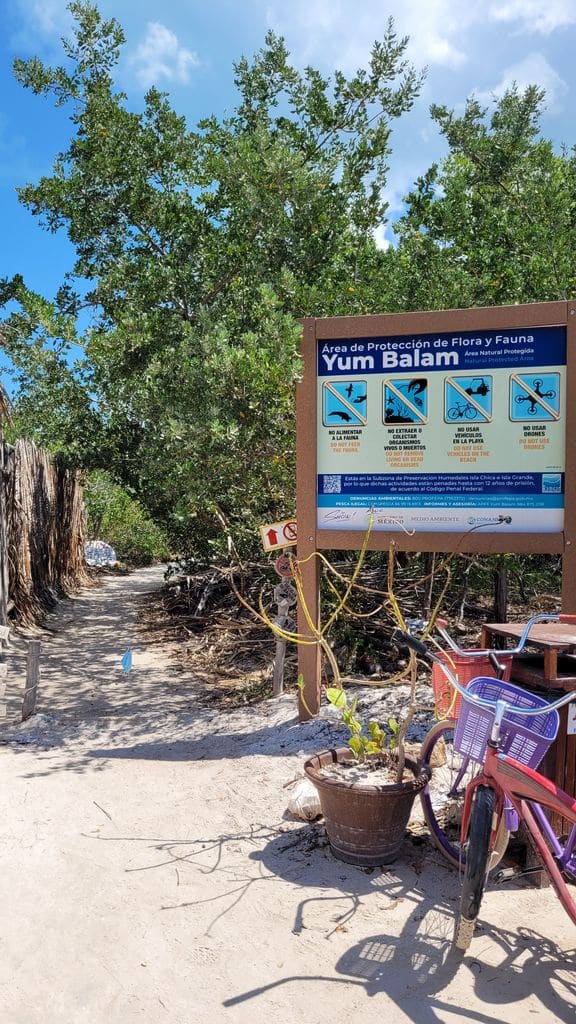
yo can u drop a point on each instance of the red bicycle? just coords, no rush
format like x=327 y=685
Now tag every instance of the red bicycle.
x=492 y=734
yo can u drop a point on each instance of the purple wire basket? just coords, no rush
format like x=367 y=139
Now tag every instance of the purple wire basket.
x=525 y=739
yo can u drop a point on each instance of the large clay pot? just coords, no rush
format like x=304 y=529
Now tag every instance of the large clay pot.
x=366 y=823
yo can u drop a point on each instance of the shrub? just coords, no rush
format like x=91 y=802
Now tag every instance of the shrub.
x=116 y=517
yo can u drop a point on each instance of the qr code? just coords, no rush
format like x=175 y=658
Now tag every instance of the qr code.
x=332 y=484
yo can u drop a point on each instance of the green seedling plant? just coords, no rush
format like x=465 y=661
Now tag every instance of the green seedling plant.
x=365 y=740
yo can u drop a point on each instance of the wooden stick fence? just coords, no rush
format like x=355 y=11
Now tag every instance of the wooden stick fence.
x=41 y=548
x=44 y=527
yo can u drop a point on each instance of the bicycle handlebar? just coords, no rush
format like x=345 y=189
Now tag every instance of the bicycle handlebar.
x=440 y=625
x=423 y=651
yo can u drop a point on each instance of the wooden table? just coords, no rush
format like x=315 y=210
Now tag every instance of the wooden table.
x=552 y=669
x=555 y=668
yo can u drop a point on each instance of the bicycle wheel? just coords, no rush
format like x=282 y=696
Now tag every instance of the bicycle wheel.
x=470 y=412
x=443 y=798
x=477 y=866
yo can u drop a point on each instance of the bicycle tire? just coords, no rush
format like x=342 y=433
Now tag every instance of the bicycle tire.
x=443 y=798
x=454 y=413
x=477 y=867
x=470 y=412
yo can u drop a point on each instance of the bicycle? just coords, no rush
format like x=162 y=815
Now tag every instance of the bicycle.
x=451 y=770
x=507 y=788
x=462 y=410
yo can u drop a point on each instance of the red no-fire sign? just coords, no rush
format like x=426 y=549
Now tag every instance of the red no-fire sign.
x=278 y=535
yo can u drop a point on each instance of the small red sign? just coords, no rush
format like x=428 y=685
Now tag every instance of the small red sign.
x=283 y=566
x=289 y=531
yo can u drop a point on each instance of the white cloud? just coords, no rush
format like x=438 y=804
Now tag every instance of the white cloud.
x=533 y=70
x=50 y=17
x=160 y=55
x=380 y=237
x=436 y=30
x=442 y=33
x=542 y=16
x=41 y=25
x=345 y=30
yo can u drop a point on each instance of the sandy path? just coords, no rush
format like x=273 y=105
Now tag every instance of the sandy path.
x=149 y=875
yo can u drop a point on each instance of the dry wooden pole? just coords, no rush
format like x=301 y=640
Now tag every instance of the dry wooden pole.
x=285 y=597
x=32 y=679
x=3 y=675
x=45 y=529
x=278 y=675
x=4 y=584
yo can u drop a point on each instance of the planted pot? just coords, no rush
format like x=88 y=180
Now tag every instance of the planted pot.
x=365 y=820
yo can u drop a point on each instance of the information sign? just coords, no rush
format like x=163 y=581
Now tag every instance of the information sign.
x=473 y=433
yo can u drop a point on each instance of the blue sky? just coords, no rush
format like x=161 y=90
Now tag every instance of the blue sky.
x=187 y=49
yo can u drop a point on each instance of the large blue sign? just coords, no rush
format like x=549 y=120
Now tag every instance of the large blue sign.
x=445 y=431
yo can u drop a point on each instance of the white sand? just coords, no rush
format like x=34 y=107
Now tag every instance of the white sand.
x=149 y=872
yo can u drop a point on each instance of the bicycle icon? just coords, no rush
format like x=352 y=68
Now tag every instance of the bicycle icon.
x=461 y=411
x=468 y=398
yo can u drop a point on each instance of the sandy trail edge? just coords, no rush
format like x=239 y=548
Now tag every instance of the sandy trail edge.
x=149 y=875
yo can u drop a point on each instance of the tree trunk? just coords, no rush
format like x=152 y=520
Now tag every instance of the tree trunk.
x=3 y=540
x=501 y=592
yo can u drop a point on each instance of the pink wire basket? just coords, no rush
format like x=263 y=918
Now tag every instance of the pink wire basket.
x=525 y=739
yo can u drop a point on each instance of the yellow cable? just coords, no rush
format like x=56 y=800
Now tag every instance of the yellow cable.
x=354 y=574
x=319 y=635
x=295 y=638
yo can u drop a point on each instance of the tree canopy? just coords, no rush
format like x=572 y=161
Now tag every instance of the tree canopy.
x=496 y=224
x=198 y=250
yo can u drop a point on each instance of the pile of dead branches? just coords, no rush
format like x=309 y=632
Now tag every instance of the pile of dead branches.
x=220 y=636
x=208 y=614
